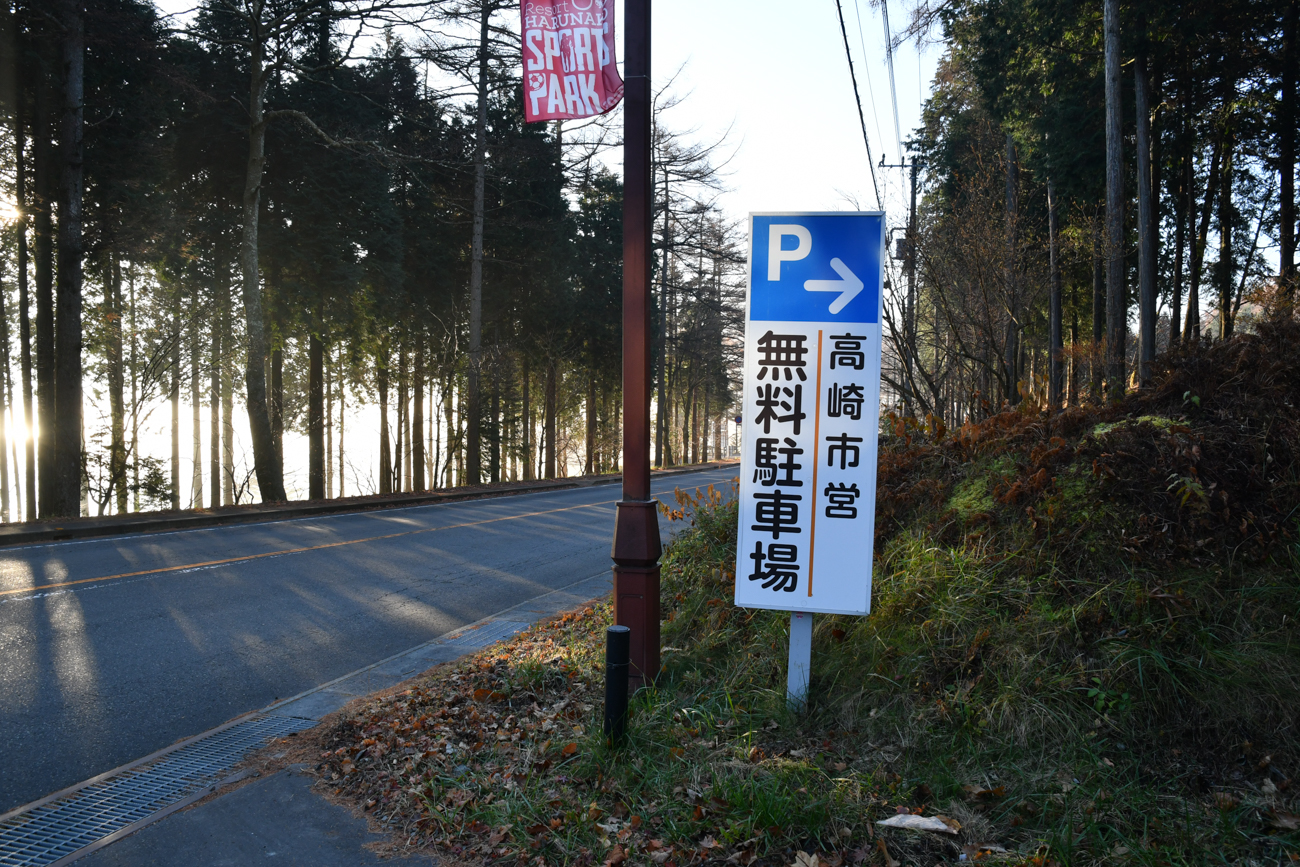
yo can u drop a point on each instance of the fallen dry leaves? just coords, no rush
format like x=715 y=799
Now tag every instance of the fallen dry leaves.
x=1284 y=821
x=431 y=763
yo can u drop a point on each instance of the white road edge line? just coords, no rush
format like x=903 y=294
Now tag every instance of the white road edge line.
x=110 y=582
x=368 y=512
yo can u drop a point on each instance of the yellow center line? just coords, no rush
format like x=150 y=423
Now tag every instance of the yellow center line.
x=164 y=569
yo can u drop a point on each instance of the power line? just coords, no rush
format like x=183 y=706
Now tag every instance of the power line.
x=858 y=101
x=893 y=91
x=866 y=67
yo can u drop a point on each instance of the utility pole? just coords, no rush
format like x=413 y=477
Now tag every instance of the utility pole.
x=637 y=545
x=909 y=270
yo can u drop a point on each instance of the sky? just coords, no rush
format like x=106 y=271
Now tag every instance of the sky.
x=776 y=73
x=772 y=73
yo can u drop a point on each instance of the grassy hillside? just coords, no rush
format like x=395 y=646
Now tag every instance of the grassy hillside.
x=1082 y=650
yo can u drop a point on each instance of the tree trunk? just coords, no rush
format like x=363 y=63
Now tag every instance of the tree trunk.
x=196 y=408
x=550 y=424
x=1224 y=270
x=447 y=382
x=24 y=302
x=435 y=437
x=135 y=400
x=315 y=417
x=403 y=434
x=267 y=465
x=43 y=243
x=343 y=414
x=67 y=433
x=512 y=443
x=1098 y=309
x=1286 y=118
x=1116 y=301
x=695 y=425
x=1200 y=236
x=1055 y=373
x=275 y=408
x=13 y=443
x=686 y=424
x=662 y=403
x=176 y=401
x=494 y=433
x=417 y=419
x=1146 y=226
x=1179 y=193
x=402 y=478
x=1072 y=395
x=1011 y=348
x=385 y=456
x=704 y=426
x=591 y=466
x=526 y=420
x=669 y=405
x=1156 y=100
x=214 y=392
x=435 y=433
x=227 y=396
x=116 y=382
x=473 y=458
x=4 y=408
x=328 y=457
x=460 y=433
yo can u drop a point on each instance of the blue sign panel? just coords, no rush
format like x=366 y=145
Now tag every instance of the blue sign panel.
x=816 y=267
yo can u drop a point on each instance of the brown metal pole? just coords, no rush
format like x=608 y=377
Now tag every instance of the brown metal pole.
x=637 y=547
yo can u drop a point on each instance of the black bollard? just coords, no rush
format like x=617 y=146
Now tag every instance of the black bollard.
x=617 y=651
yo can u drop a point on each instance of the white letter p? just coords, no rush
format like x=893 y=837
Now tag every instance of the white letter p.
x=775 y=255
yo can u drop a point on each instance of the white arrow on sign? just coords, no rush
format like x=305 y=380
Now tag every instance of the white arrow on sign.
x=849 y=286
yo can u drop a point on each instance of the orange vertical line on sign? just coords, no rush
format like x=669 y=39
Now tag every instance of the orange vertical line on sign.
x=817 y=423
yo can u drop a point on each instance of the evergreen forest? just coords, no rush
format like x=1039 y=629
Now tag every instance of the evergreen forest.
x=1100 y=183
x=325 y=223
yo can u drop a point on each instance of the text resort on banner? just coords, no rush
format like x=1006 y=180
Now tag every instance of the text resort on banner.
x=811 y=412
x=570 y=66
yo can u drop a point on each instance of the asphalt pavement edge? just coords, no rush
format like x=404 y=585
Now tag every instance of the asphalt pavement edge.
x=524 y=614
x=27 y=533
x=442 y=641
x=359 y=684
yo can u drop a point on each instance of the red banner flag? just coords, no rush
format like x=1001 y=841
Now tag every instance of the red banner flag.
x=569 y=63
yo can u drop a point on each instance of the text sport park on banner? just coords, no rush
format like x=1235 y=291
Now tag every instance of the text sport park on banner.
x=811 y=412
x=570 y=68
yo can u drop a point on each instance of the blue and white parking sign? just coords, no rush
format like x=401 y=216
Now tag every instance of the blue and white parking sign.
x=811 y=412
x=816 y=267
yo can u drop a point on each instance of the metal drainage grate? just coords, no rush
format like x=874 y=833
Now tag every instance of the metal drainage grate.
x=50 y=831
x=488 y=633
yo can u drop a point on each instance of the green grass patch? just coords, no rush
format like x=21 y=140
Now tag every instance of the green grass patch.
x=1072 y=724
x=1082 y=651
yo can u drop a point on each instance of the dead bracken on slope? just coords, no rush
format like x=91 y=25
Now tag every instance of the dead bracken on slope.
x=1082 y=651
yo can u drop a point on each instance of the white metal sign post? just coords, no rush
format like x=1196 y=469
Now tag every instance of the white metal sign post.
x=810 y=419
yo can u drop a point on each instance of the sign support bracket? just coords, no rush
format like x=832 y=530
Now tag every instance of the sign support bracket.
x=800 y=666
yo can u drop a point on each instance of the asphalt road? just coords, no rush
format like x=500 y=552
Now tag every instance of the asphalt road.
x=113 y=648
